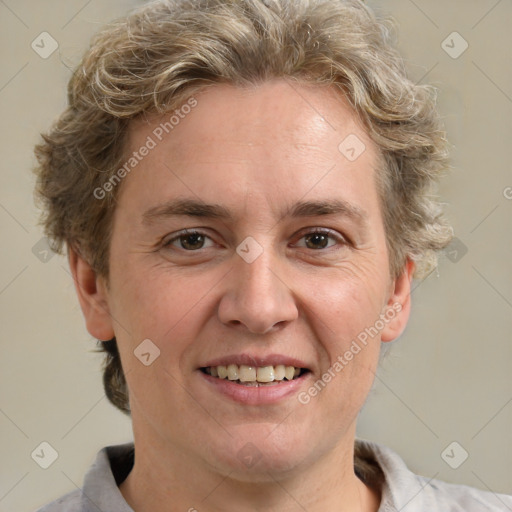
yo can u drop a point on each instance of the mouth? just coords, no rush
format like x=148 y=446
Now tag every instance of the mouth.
x=255 y=376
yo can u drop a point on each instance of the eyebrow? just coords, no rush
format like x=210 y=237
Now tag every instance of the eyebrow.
x=200 y=209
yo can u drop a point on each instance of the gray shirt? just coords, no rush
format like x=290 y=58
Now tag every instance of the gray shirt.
x=401 y=489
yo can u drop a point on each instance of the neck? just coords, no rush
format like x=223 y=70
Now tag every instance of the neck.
x=164 y=474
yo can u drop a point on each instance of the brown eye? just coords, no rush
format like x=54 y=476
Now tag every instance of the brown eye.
x=319 y=239
x=188 y=241
x=194 y=241
x=316 y=240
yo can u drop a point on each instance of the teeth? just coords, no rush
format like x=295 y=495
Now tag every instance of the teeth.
x=279 y=372
x=251 y=375
x=265 y=374
x=247 y=373
x=233 y=372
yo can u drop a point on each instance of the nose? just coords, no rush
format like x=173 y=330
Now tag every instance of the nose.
x=257 y=295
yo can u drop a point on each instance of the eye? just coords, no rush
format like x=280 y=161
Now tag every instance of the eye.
x=319 y=239
x=193 y=240
x=189 y=240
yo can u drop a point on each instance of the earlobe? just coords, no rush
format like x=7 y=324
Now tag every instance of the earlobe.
x=399 y=304
x=92 y=295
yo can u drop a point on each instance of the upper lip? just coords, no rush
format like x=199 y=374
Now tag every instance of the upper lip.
x=256 y=360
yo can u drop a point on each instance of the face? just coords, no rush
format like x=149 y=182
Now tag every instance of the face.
x=283 y=263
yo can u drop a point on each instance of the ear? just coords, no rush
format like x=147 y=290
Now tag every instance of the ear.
x=92 y=294
x=399 y=303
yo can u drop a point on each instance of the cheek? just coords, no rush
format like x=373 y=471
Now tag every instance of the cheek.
x=349 y=299
x=167 y=310
x=168 y=307
x=344 y=317
x=142 y=295
x=344 y=312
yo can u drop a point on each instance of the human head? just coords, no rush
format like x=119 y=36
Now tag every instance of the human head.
x=156 y=59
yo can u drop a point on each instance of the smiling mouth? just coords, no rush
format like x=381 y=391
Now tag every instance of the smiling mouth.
x=255 y=376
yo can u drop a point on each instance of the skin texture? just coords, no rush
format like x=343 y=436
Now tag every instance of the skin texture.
x=255 y=151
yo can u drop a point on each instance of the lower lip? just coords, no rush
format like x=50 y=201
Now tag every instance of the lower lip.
x=252 y=395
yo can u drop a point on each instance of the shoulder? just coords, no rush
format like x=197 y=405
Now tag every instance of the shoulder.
x=100 y=486
x=461 y=498
x=403 y=489
x=70 y=502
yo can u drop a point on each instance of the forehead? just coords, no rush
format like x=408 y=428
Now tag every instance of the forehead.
x=275 y=111
x=277 y=139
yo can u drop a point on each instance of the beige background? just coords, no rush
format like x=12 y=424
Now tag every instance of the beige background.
x=447 y=379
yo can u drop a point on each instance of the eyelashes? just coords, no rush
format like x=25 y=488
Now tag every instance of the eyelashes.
x=193 y=240
x=187 y=233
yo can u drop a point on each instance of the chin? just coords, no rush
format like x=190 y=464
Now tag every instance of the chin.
x=253 y=454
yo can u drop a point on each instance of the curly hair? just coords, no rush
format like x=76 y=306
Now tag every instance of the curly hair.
x=162 y=53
